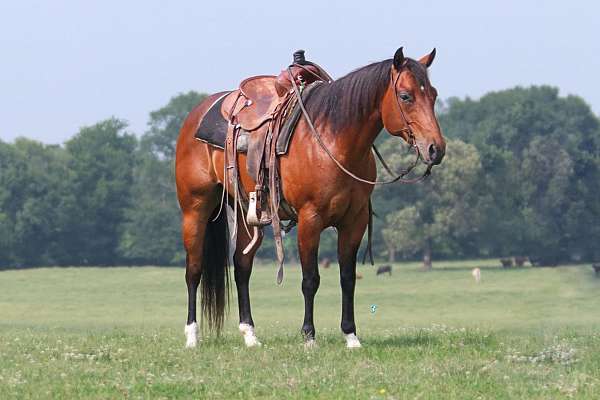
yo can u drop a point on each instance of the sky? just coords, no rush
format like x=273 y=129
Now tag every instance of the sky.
x=67 y=64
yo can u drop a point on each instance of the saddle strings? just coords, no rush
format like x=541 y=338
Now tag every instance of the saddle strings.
x=235 y=181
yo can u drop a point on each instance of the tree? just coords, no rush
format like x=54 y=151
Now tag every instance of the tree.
x=442 y=211
x=151 y=231
x=541 y=157
x=32 y=191
x=101 y=159
x=166 y=122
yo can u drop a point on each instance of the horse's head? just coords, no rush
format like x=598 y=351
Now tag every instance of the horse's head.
x=407 y=108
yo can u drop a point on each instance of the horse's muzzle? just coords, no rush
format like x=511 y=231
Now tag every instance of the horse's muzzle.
x=435 y=154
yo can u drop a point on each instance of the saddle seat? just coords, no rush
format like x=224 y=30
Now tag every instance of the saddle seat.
x=261 y=102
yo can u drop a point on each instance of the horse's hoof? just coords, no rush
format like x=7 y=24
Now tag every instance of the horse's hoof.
x=352 y=341
x=251 y=341
x=191 y=335
x=249 y=337
x=310 y=344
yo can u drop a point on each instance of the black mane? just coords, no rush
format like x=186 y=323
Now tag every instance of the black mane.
x=352 y=98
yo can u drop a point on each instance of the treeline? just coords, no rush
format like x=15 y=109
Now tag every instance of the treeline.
x=104 y=198
x=521 y=177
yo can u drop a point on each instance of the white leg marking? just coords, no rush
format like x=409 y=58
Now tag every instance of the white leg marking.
x=191 y=335
x=352 y=341
x=247 y=332
x=310 y=344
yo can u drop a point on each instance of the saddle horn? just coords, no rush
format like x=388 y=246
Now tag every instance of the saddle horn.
x=299 y=57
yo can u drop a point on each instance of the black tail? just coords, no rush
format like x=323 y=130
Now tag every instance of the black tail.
x=215 y=273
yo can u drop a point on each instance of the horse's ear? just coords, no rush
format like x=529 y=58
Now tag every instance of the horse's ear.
x=398 y=59
x=428 y=59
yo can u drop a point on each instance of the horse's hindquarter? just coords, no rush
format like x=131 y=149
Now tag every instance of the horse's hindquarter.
x=310 y=179
x=194 y=169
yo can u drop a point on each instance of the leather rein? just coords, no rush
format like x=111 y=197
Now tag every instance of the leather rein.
x=397 y=177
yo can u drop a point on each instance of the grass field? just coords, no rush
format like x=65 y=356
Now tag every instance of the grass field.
x=118 y=333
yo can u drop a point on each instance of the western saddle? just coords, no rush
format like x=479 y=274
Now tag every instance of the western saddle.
x=259 y=109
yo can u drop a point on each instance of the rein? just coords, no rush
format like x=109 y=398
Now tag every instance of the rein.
x=411 y=141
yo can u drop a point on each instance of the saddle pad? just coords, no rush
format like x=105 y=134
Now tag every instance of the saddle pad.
x=213 y=127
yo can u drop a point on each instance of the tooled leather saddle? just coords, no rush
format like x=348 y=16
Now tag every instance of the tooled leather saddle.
x=259 y=118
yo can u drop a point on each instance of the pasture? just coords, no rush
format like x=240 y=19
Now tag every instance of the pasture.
x=118 y=333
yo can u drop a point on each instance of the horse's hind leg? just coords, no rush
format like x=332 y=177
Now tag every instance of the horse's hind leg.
x=194 y=226
x=243 y=268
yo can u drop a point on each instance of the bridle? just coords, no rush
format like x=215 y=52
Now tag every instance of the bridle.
x=397 y=177
x=407 y=128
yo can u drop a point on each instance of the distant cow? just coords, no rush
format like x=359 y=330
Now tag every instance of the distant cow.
x=476 y=274
x=520 y=261
x=325 y=263
x=596 y=268
x=506 y=262
x=384 y=269
x=547 y=260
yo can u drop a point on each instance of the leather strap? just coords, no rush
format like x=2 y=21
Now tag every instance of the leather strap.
x=398 y=178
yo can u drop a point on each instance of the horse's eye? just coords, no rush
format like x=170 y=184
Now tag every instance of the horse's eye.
x=405 y=97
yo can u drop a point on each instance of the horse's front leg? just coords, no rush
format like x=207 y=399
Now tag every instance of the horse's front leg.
x=309 y=231
x=350 y=235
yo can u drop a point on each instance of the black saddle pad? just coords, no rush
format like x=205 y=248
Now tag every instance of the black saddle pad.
x=213 y=127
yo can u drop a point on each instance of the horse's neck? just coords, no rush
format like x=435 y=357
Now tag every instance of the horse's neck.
x=356 y=141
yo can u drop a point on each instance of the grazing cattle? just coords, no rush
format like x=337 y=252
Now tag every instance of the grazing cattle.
x=596 y=268
x=506 y=262
x=520 y=261
x=476 y=274
x=547 y=260
x=325 y=263
x=384 y=269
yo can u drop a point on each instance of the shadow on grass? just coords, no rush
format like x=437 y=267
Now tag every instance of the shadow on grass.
x=403 y=341
x=428 y=338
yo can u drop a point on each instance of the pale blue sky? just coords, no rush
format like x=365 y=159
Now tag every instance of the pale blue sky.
x=65 y=64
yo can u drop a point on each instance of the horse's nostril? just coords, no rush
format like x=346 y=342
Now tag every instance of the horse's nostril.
x=432 y=151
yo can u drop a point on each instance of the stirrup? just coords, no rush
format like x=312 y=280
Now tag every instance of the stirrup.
x=252 y=215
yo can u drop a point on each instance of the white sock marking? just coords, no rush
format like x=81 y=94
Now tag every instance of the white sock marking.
x=247 y=332
x=352 y=341
x=191 y=334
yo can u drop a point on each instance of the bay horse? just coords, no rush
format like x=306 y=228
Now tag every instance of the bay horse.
x=349 y=113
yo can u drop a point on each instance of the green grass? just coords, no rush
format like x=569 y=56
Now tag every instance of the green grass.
x=118 y=332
